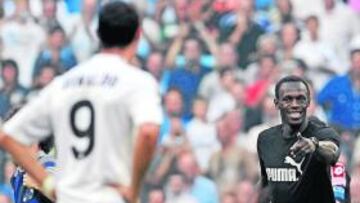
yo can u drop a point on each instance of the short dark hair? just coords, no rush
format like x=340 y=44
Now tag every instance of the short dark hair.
x=12 y=63
x=118 y=24
x=354 y=51
x=55 y=28
x=291 y=78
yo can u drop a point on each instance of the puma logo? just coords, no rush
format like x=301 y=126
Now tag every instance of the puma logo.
x=292 y=162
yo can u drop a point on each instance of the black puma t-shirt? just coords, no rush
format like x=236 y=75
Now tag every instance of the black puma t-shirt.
x=301 y=180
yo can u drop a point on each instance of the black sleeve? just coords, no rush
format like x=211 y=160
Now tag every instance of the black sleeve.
x=328 y=134
x=264 y=179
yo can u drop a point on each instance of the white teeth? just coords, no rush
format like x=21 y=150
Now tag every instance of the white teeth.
x=295 y=114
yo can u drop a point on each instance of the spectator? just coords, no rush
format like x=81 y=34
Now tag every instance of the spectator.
x=243 y=34
x=245 y=192
x=231 y=163
x=187 y=78
x=83 y=37
x=282 y=14
x=289 y=36
x=48 y=18
x=11 y=93
x=203 y=189
x=339 y=25
x=156 y=66
x=267 y=73
x=319 y=57
x=46 y=75
x=227 y=58
x=156 y=196
x=172 y=108
x=57 y=52
x=228 y=197
x=22 y=40
x=341 y=97
x=176 y=191
x=202 y=134
x=269 y=116
x=223 y=101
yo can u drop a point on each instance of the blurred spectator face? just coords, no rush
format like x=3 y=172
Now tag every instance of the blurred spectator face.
x=4 y=199
x=21 y=7
x=9 y=74
x=284 y=6
x=46 y=75
x=227 y=55
x=289 y=35
x=173 y=102
x=267 y=45
x=238 y=92
x=188 y=166
x=227 y=79
x=329 y=4
x=228 y=198
x=49 y=8
x=269 y=107
x=57 y=39
x=200 y=108
x=234 y=121
x=267 y=66
x=245 y=192
x=246 y=6
x=355 y=61
x=181 y=9
x=176 y=183
x=229 y=126
x=155 y=64
x=223 y=133
x=192 y=51
x=156 y=196
x=312 y=24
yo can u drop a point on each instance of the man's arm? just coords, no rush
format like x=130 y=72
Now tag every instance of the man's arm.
x=21 y=155
x=145 y=146
x=326 y=150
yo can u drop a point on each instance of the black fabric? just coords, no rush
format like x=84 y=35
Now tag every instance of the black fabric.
x=300 y=180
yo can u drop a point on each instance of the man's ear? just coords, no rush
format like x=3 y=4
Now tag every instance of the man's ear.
x=276 y=102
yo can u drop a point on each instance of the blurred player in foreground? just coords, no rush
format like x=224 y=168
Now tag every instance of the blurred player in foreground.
x=295 y=156
x=92 y=111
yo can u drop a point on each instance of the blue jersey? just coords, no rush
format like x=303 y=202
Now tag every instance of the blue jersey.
x=24 y=194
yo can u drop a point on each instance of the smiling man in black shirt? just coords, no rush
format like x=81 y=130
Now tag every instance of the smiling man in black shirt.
x=295 y=156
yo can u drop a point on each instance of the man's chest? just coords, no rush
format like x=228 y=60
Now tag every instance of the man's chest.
x=279 y=165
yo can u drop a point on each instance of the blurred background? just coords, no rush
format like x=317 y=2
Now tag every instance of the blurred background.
x=216 y=62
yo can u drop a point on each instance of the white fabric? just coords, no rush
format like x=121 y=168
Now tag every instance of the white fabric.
x=337 y=28
x=203 y=140
x=122 y=97
x=22 y=43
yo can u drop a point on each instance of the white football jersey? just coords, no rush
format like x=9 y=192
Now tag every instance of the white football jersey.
x=93 y=111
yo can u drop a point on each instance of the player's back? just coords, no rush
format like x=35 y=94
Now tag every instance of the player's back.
x=93 y=110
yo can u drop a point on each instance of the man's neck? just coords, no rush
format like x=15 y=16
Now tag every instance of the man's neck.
x=290 y=131
x=125 y=53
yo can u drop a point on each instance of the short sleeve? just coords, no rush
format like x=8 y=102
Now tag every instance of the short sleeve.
x=330 y=134
x=32 y=123
x=145 y=103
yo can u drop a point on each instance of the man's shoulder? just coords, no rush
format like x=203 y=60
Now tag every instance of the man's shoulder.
x=270 y=131
x=339 y=79
x=322 y=131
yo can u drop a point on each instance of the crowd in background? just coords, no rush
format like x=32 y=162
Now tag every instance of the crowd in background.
x=216 y=62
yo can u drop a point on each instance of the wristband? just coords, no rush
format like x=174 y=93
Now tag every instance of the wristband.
x=48 y=186
x=315 y=141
